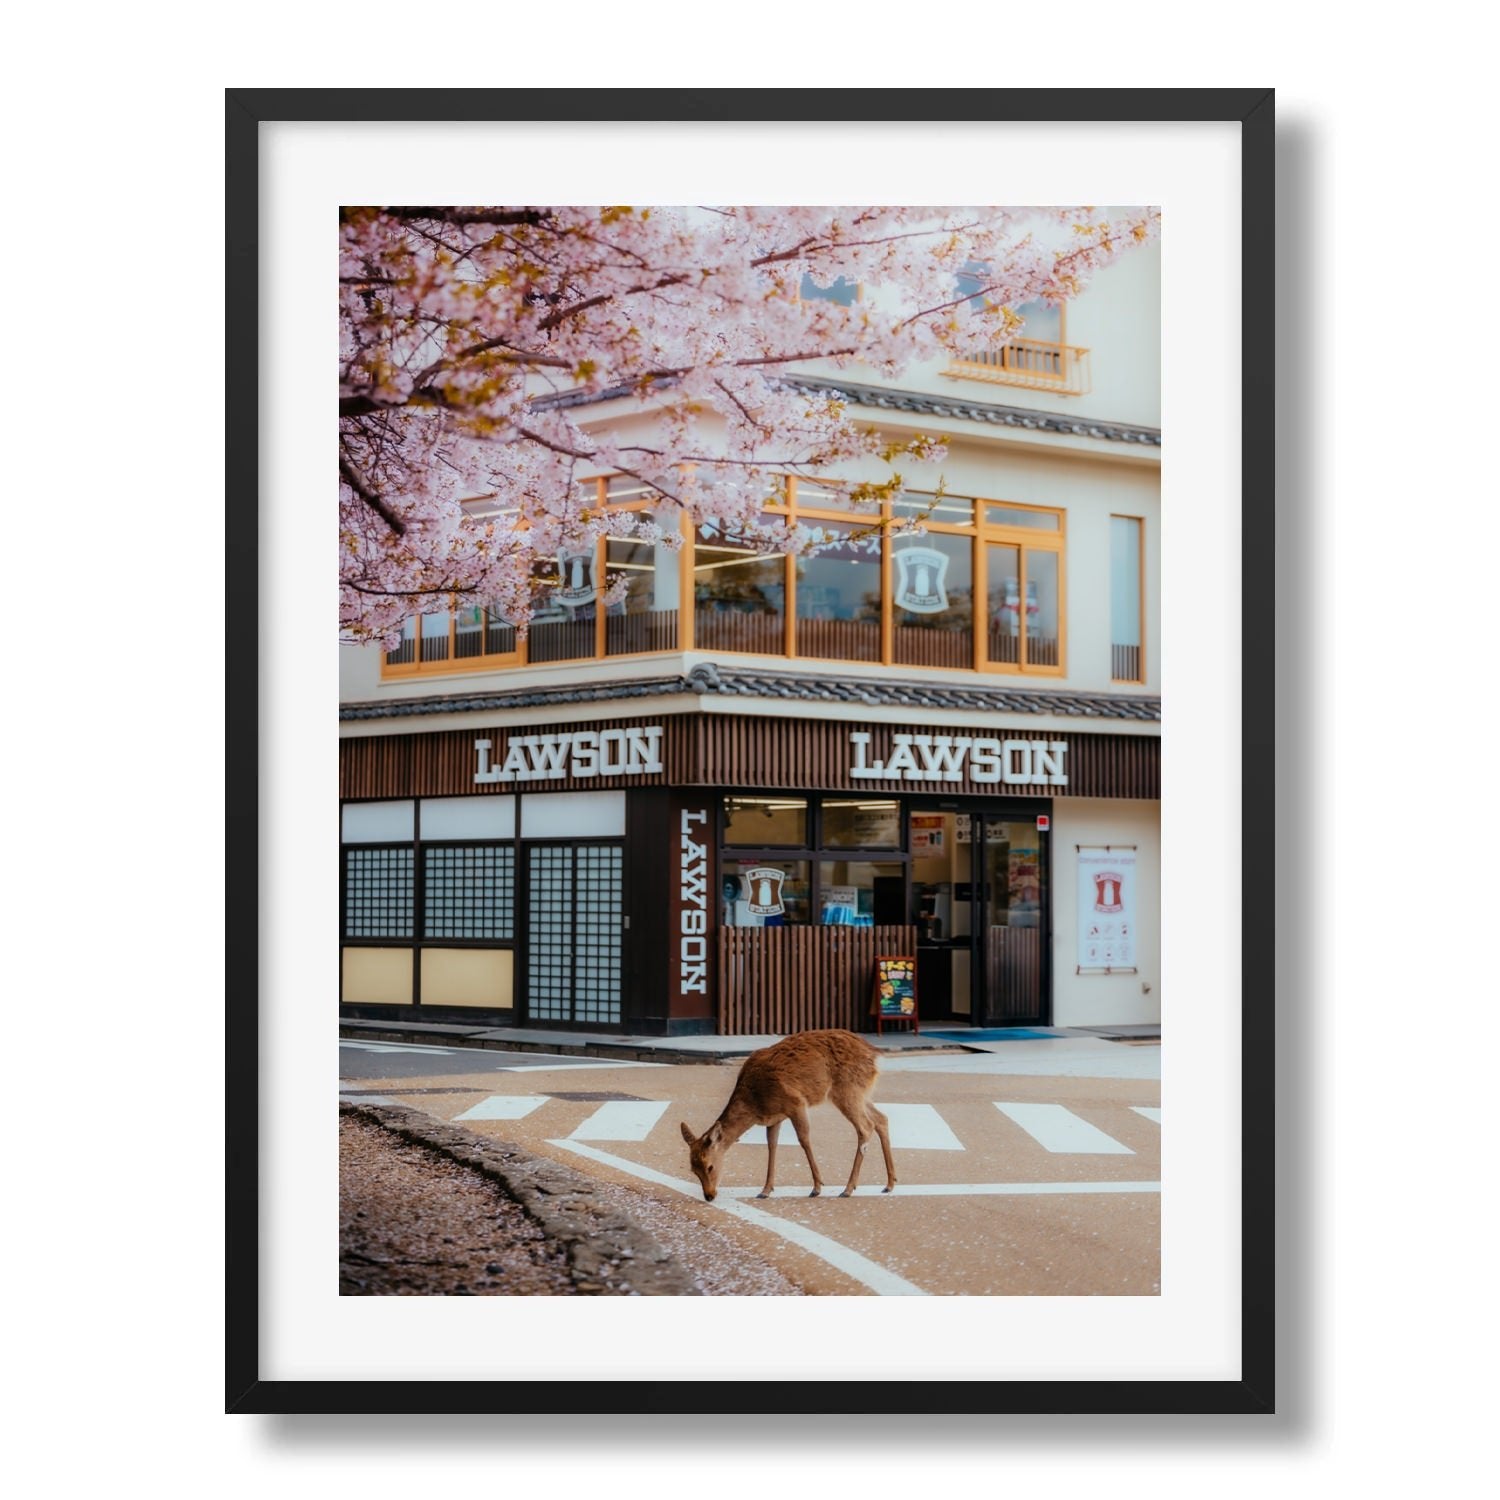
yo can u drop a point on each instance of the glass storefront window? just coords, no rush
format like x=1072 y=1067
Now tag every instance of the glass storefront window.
x=562 y=623
x=766 y=822
x=861 y=893
x=933 y=580
x=838 y=598
x=739 y=596
x=1003 y=572
x=1042 y=646
x=646 y=619
x=861 y=823
x=944 y=510
x=435 y=637
x=764 y=892
x=1008 y=515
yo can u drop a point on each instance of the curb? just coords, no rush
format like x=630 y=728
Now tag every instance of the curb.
x=608 y=1254
x=604 y=1051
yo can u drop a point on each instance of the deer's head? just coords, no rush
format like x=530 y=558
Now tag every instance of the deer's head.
x=704 y=1155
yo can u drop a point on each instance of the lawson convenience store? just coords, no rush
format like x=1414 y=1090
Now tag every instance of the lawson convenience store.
x=735 y=865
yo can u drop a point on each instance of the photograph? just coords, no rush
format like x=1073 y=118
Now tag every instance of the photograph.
x=809 y=555
x=757 y=885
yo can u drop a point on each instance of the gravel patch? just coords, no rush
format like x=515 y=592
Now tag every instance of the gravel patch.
x=719 y=1267
x=435 y=1201
x=429 y=1209
x=413 y=1223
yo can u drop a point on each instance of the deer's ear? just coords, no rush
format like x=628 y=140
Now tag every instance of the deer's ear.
x=687 y=1134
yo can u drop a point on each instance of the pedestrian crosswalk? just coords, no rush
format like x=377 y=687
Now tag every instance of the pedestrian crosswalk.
x=913 y=1127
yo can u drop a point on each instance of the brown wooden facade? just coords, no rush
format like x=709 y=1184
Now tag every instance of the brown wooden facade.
x=723 y=750
x=755 y=980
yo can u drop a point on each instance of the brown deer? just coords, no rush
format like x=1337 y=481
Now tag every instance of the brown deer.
x=783 y=1082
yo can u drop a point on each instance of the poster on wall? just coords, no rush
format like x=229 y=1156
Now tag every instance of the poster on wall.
x=1106 y=907
x=926 y=835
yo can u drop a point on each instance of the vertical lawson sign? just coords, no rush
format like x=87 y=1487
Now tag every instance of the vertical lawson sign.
x=1106 y=907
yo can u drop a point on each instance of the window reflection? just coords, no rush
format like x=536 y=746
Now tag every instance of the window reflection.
x=933 y=583
x=838 y=599
x=739 y=595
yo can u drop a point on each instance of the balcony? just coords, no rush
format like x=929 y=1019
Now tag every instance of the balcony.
x=1032 y=363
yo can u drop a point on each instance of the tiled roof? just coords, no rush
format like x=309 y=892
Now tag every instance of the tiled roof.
x=892 y=399
x=749 y=683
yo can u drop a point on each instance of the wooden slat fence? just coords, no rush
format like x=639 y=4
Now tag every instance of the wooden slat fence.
x=650 y=630
x=1013 y=959
x=839 y=640
x=725 y=630
x=786 y=979
x=920 y=646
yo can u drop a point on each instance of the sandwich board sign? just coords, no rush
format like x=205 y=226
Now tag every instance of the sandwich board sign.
x=895 y=997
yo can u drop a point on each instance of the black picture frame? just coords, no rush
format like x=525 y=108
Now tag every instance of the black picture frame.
x=245 y=111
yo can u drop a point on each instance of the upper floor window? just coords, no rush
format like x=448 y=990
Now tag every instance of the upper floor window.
x=1127 y=657
x=1038 y=357
x=981 y=589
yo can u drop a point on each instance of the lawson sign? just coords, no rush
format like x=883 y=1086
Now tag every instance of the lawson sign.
x=944 y=757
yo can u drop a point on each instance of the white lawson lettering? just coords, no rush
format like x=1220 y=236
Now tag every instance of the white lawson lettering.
x=585 y=753
x=693 y=946
x=941 y=757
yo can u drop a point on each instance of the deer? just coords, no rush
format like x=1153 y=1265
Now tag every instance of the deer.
x=784 y=1081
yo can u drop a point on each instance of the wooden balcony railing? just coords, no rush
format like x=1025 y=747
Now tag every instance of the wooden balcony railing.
x=1033 y=363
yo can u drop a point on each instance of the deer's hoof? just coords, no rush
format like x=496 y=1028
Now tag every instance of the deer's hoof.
x=764 y=1193
x=887 y=1187
x=815 y=1192
x=847 y=1193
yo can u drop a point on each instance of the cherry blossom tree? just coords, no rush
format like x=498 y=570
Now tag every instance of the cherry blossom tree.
x=476 y=341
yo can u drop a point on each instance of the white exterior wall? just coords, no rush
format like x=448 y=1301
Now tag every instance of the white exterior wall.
x=1117 y=319
x=1105 y=999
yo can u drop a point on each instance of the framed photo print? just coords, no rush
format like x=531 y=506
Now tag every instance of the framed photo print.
x=767 y=595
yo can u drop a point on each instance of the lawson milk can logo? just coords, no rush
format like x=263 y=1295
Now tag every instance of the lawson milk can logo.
x=1107 y=887
x=576 y=587
x=763 y=891
x=920 y=572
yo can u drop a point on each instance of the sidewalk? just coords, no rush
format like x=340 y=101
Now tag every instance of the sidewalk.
x=702 y=1049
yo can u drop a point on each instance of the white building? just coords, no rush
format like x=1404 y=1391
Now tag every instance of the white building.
x=712 y=806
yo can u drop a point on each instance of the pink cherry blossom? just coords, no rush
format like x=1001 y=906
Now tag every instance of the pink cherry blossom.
x=473 y=341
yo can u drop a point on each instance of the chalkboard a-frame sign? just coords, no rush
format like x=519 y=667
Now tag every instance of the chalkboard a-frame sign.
x=895 y=997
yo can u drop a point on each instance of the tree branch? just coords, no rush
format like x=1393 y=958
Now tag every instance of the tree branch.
x=356 y=482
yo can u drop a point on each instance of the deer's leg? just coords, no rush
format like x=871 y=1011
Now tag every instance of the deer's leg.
x=883 y=1130
x=851 y=1103
x=799 y=1124
x=773 y=1132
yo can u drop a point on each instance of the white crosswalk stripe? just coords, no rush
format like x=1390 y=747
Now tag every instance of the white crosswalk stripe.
x=621 y=1120
x=914 y=1127
x=1149 y=1111
x=503 y=1107
x=1059 y=1130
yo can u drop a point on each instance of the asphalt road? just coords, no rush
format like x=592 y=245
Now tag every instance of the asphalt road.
x=1020 y=1172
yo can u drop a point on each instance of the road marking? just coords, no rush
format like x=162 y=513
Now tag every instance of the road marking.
x=1151 y=1112
x=621 y=1120
x=962 y=1189
x=397 y=1047
x=1058 y=1129
x=914 y=1127
x=865 y=1271
x=503 y=1107
x=559 y=1066
x=919 y=1127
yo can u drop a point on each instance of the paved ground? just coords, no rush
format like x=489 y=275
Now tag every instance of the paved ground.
x=1025 y=1168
